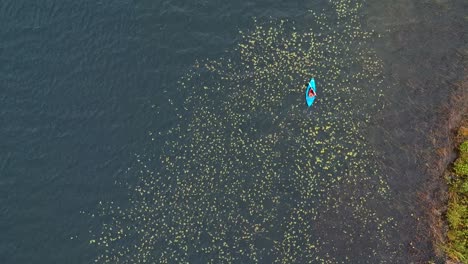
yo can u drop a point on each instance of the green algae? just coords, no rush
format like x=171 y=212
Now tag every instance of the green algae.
x=252 y=175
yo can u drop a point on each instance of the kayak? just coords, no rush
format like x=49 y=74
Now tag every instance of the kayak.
x=310 y=99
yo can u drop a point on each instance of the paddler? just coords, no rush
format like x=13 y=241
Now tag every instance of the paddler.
x=311 y=92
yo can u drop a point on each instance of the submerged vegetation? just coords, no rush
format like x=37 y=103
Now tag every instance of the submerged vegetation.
x=457 y=211
x=249 y=174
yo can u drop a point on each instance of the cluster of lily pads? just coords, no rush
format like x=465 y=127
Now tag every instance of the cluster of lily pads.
x=250 y=174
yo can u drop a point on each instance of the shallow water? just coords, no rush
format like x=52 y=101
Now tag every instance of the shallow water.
x=423 y=57
x=88 y=86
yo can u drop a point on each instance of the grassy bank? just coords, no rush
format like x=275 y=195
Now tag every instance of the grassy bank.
x=456 y=246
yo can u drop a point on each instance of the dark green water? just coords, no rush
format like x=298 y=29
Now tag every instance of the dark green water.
x=82 y=84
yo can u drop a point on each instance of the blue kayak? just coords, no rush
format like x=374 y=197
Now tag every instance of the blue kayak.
x=310 y=93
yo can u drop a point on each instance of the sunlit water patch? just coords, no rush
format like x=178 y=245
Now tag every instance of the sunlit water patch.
x=250 y=174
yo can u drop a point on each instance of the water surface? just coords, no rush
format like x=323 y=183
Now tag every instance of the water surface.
x=85 y=83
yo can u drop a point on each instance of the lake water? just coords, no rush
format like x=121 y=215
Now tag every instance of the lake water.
x=120 y=145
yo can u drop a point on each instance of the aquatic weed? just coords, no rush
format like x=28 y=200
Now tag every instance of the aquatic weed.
x=255 y=175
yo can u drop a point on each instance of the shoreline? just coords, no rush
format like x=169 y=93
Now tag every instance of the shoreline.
x=446 y=139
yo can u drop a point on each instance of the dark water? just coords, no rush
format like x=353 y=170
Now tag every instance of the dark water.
x=80 y=81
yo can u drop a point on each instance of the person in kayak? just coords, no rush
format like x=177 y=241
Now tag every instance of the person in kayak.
x=311 y=93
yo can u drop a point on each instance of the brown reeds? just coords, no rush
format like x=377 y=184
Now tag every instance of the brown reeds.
x=445 y=137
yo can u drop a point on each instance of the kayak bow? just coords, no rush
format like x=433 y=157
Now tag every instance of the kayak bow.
x=310 y=99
